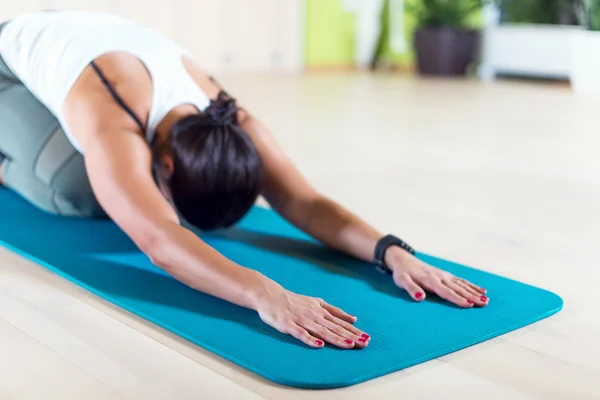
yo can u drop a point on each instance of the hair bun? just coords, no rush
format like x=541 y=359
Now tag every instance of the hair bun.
x=222 y=111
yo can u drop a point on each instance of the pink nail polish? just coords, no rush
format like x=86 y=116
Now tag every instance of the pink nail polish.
x=365 y=336
x=319 y=343
x=469 y=301
x=419 y=295
x=362 y=340
x=348 y=341
x=483 y=298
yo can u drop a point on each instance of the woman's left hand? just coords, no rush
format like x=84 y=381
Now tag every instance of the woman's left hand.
x=416 y=277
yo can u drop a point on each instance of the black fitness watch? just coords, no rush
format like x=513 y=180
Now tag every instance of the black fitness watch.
x=382 y=245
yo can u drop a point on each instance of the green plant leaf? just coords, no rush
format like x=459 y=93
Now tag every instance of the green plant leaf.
x=444 y=13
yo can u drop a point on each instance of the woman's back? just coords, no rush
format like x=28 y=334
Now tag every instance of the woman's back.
x=49 y=51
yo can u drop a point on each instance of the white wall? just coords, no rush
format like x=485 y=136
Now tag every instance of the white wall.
x=223 y=35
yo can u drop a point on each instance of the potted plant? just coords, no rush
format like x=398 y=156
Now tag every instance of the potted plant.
x=445 y=44
x=585 y=60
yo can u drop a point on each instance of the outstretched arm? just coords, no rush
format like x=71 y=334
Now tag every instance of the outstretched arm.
x=118 y=165
x=291 y=195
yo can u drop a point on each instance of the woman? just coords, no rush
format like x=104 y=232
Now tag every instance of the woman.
x=100 y=117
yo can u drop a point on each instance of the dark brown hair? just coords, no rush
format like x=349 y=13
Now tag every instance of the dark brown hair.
x=217 y=174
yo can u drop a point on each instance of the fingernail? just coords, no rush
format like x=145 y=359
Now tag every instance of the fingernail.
x=469 y=301
x=483 y=298
x=364 y=335
x=319 y=343
x=419 y=295
x=362 y=340
x=348 y=341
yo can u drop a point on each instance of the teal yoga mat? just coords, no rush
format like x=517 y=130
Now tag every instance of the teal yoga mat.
x=99 y=257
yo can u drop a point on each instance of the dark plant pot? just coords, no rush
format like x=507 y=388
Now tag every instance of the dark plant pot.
x=445 y=51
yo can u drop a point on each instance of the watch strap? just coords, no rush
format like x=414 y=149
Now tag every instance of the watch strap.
x=381 y=247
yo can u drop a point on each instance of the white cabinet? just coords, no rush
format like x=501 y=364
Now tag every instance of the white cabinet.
x=530 y=50
x=222 y=35
x=244 y=36
x=585 y=69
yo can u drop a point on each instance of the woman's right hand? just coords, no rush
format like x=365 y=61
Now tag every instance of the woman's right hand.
x=309 y=319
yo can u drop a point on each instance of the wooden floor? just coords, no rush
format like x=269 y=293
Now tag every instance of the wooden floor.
x=504 y=177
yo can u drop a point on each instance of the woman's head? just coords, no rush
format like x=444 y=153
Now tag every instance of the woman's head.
x=216 y=170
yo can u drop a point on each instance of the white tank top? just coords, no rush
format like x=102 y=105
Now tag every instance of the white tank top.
x=48 y=50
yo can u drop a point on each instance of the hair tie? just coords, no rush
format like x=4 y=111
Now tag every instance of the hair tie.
x=222 y=111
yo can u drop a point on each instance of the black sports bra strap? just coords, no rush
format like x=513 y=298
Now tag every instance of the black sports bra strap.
x=116 y=96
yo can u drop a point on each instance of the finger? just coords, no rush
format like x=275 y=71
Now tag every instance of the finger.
x=469 y=296
x=450 y=295
x=479 y=298
x=350 y=339
x=466 y=287
x=321 y=332
x=346 y=330
x=304 y=336
x=476 y=288
x=349 y=327
x=338 y=312
x=405 y=282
